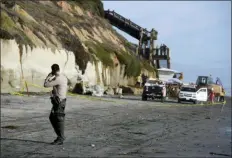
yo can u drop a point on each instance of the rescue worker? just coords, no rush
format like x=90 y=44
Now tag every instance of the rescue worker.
x=143 y=79
x=221 y=98
x=181 y=76
x=163 y=92
x=59 y=82
x=211 y=96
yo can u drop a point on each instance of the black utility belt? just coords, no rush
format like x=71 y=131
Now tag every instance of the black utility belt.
x=57 y=100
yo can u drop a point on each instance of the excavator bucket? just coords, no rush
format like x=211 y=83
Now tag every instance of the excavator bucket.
x=218 y=82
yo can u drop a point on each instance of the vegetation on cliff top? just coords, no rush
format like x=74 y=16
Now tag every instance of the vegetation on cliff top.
x=26 y=19
x=95 y=6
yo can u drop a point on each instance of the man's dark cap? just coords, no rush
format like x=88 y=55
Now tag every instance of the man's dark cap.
x=55 y=67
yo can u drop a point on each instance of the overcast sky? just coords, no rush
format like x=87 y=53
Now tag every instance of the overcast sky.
x=197 y=32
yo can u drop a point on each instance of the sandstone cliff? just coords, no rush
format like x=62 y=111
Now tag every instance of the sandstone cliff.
x=73 y=34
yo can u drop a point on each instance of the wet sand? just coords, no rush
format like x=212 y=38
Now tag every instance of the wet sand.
x=114 y=127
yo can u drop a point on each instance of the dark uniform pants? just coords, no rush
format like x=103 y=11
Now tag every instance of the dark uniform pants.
x=57 y=116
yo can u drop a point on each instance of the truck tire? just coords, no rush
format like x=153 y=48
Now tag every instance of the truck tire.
x=195 y=102
x=179 y=101
x=162 y=99
x=144 y=97
x=222 y=99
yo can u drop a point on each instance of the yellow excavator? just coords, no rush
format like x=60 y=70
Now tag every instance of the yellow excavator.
x=217 y=87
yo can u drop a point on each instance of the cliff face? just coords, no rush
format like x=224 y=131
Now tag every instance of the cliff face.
x=36 y=34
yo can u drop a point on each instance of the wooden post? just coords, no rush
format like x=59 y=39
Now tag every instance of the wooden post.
x=140 y=42
x=168 y=58
x=152 y=37
x=158 y=64
x=137 y=51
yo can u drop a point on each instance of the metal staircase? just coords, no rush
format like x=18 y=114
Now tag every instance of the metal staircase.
x=146 y=38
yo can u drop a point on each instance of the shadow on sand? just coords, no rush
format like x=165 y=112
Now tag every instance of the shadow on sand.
x=22 y=140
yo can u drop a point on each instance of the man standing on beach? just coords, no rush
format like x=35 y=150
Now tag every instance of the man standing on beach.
x=59 y=82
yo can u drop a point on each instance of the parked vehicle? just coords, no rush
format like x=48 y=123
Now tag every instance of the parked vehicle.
x=154 y=89
x=165 y=74
x=191 y=94
x=208 y=82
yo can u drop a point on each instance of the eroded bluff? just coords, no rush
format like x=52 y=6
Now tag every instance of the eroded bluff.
x=73 y=34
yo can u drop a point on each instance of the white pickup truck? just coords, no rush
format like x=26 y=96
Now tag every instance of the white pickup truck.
x=190 y=94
